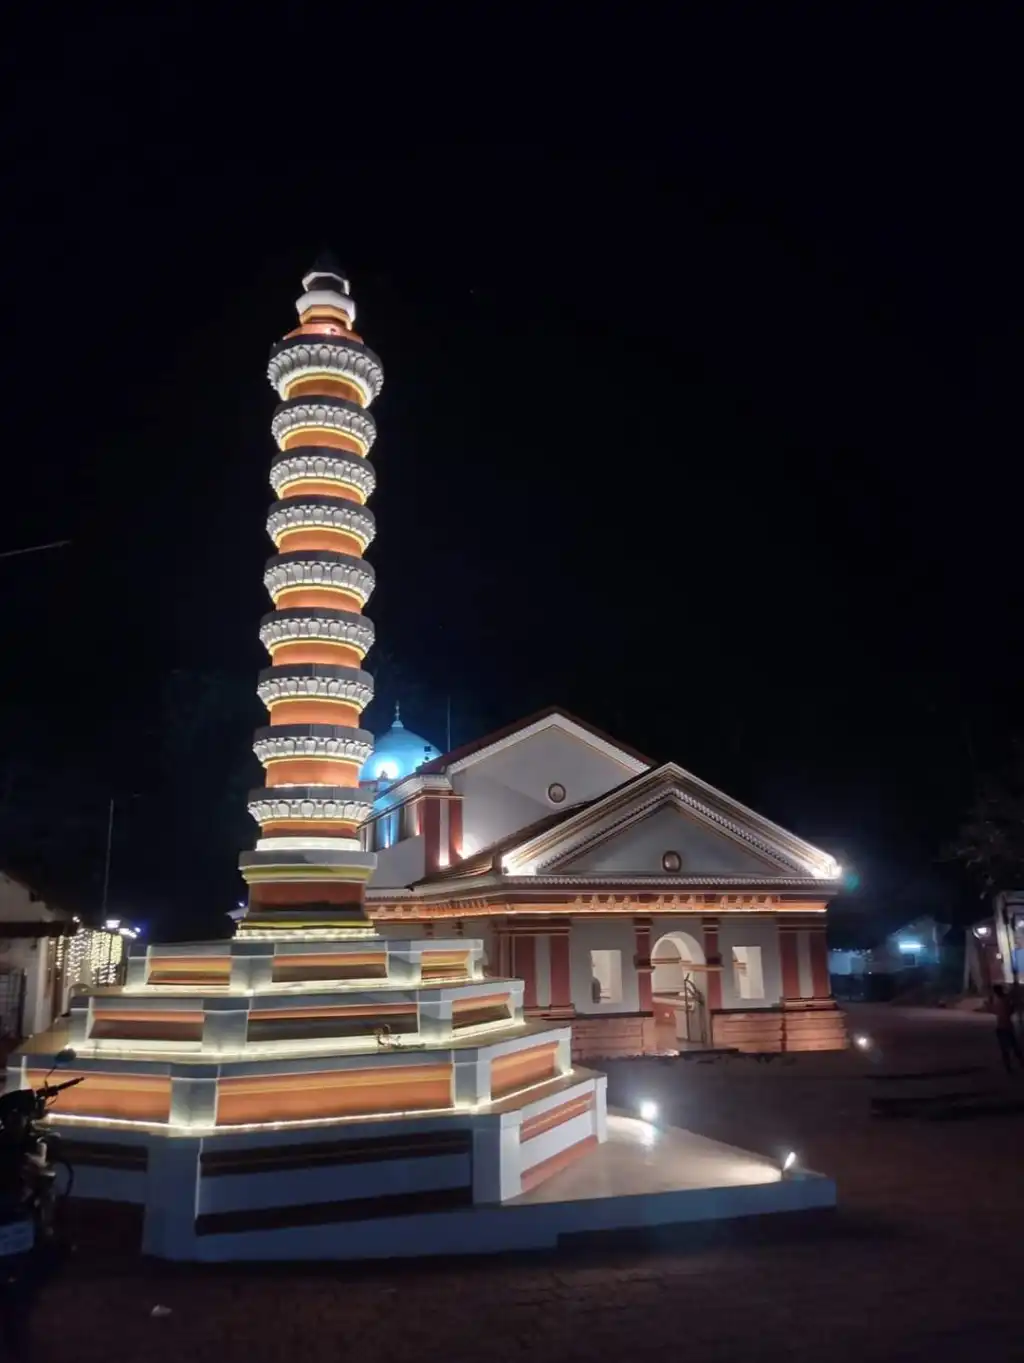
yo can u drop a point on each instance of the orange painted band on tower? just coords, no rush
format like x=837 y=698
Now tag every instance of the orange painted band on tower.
x=270 y=893
x=325 y=385
x=314 y=828
x=329 y=487
x=324 y=312
x=323 y=438
x=320 y=537
x=305 y=711
x=312 y=771
x=333 y=598
x=310 y=651
x=325 y=327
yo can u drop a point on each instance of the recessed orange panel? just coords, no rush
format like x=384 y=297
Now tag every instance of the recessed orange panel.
x=126 y=1097
x=480 y=1001
x=522 y=1068
x=445 y=965
x=333 y=1093
x=316 y=1024
x=145 y=1024
x=476 y=1012
x=555 y=1116
x=215 y=970
x=330 y=966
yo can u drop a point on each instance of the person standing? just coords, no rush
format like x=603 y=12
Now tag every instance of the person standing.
x=1006 y=1033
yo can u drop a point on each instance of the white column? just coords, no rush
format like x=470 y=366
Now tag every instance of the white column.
x=172 y=1198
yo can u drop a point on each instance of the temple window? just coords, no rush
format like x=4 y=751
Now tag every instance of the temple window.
x=606 y=976
x=748 y=973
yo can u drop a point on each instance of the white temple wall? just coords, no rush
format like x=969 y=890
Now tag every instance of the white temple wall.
x=401 y=864
x=761 y=933
x=508 y=789
x=603 y=935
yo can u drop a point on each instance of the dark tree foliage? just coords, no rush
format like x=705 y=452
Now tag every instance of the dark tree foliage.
x=990 y=841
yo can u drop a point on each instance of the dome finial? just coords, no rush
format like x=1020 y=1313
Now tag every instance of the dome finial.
x=398 y=718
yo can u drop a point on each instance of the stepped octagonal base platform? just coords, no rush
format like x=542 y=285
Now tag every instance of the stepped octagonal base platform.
x=315 y=1077
x=352 y=1097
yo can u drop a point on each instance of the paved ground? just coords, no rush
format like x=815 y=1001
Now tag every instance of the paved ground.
x=921 y=1263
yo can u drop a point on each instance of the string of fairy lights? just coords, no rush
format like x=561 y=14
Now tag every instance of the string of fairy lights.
x=95 y=956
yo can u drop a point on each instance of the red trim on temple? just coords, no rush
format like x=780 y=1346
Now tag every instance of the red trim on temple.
x=711 y=956
x=789 y=958
x=821 y=987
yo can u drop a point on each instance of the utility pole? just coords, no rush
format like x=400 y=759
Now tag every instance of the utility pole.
x=106 y=862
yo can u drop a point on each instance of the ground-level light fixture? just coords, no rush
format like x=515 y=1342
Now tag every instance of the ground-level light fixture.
x=789 y=1163
x=648 y=1111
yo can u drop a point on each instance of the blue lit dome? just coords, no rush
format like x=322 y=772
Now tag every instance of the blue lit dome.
x=397 y=753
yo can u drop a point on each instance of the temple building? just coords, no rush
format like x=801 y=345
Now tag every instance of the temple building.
x=647 y=907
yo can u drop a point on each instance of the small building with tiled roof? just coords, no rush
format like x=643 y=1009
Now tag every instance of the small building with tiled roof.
x=654 y=910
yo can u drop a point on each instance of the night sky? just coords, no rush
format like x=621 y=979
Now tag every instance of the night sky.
x=700 y=420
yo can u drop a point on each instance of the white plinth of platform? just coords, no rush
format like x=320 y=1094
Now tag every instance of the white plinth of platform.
x=643 y=1177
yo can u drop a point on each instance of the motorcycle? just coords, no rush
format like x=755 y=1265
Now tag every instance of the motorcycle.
x=31 y=1243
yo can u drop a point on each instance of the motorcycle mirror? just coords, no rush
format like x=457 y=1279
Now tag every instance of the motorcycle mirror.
x=64 y=1057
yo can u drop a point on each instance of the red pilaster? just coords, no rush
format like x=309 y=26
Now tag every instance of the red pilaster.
x=454 y=829
x=642 y=958
x=524 y=965
x=714 y=959
x=431 y=824
x=561 y=979
x=790 y=961
x=821 y=986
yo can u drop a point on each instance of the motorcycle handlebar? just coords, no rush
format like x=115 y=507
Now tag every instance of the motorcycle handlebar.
x=49 y=1090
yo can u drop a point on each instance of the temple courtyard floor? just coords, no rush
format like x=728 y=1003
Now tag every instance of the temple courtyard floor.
x=922 y=1131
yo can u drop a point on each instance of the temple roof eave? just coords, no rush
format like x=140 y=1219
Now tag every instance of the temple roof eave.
x=634 y=886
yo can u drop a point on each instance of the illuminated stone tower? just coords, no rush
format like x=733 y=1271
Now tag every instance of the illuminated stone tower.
x=308 y=869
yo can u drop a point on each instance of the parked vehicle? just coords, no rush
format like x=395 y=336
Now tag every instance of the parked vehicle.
x=31 y=1243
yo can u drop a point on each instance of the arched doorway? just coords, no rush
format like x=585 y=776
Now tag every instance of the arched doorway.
x=679 y=1007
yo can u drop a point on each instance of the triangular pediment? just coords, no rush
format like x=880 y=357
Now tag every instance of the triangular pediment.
x=667 y=838
x=667 y=822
